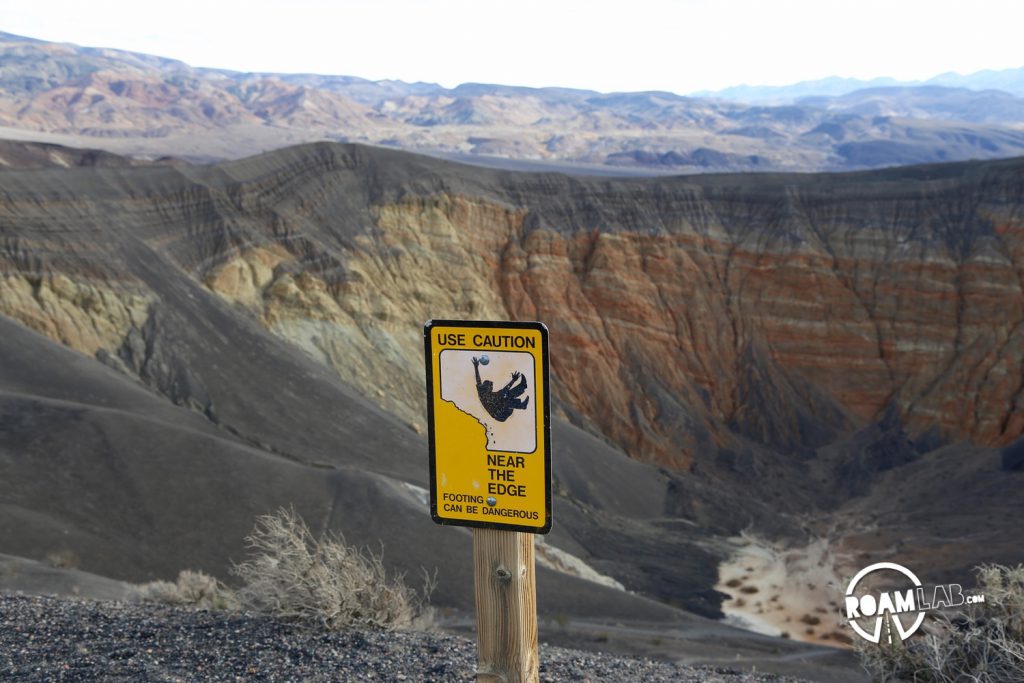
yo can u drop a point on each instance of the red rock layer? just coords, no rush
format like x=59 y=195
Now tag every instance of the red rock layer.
x=688 y=316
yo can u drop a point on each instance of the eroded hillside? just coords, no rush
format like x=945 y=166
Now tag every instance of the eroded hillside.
x=689 y=317
x=790 y=362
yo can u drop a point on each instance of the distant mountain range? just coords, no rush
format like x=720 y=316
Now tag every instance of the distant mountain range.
x=149 y=106
x=1007 y=80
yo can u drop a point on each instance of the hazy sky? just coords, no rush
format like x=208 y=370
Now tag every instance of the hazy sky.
x=675 y=45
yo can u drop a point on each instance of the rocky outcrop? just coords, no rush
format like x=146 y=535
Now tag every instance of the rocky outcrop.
x=87 y=316
x=690 y=317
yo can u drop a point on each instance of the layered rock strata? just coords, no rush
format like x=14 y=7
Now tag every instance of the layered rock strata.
x=689 y=317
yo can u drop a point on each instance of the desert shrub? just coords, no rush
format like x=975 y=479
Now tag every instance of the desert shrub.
x=293 y=575
x=982 y=644
x=195 y=590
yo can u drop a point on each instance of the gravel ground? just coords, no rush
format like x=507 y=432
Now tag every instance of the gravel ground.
x=58 y=639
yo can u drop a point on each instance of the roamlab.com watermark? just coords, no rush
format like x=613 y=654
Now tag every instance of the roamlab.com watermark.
x=899 y=606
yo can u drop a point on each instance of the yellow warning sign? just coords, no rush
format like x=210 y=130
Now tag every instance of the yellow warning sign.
x=489 y=423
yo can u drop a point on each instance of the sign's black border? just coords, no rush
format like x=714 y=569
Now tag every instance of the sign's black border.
x=428 y=360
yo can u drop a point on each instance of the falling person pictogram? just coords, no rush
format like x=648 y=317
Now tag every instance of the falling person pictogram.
x=502 y=403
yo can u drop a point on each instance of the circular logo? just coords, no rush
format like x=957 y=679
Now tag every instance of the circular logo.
x=876 y=607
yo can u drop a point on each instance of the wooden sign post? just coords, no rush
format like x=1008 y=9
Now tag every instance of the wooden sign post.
x=490 y=468
x=506 y=606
